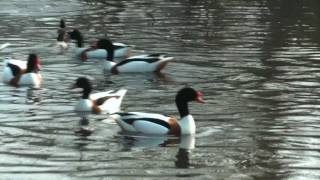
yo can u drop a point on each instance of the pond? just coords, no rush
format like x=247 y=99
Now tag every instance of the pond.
x=256 y=62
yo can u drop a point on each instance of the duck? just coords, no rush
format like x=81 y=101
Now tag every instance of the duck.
x=63 y=37
x=21 y=73
x=158 y=124
x=138 y=64
x=96 y=51
x=134 y=64
x=102 y=102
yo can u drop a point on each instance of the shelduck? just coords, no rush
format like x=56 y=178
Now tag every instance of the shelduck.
x=63 y=37
x=136 y=64
x=19 y=73
x=150 y=123
x=97 y=50
x=103 y=102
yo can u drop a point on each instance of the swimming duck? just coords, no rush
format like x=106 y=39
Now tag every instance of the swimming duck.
x=137 y=64
x=107 y=102
x=96 y=51
x=140 y=63
x=150 y=123
x=63 y=37
x=17 y=72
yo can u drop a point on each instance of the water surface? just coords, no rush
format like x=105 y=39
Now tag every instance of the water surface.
x=255 y=61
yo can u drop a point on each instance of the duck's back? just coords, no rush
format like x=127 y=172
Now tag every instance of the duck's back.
x=148 y=123
x=11 y=68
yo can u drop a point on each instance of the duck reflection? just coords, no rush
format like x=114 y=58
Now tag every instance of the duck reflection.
x=153 y=78
x=160 y=77
x=83 y=133
x=182 y=158
x=137 y=141
x=186 y=144
x=84 y=129
x=33 y=96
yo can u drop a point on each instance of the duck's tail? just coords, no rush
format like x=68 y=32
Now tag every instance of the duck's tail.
x=5 y=45
x=111 y=102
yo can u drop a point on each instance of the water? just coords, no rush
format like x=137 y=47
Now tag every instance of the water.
x=255 y=61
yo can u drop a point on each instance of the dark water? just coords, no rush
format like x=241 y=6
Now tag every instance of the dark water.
x=257 y=62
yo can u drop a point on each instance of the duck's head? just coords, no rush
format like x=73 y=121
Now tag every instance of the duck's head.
x=76 y=35
x=186 y=95
x=84 y=84
x=62 y=24
x=33 y=64
x=107 y=45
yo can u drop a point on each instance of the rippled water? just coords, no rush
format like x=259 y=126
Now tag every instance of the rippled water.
x=257 y=63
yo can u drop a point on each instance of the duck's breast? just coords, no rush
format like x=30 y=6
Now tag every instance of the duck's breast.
x=84 y=105
x=61 y=45
x=33 y=79
x=187 y=125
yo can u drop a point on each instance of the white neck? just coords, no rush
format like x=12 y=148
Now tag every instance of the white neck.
x=108 y=65
x=187 y=125
x=31 y=78
x=84 y=105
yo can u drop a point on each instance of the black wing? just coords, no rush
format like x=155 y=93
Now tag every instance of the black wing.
x=14 y=68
